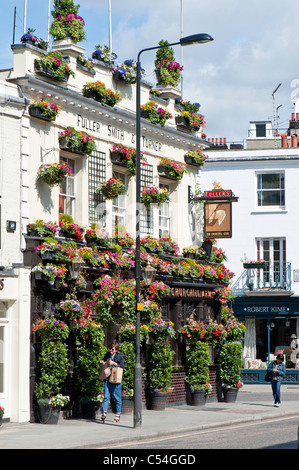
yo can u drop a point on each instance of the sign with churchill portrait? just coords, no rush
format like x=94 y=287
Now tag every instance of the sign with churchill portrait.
x=218 y=219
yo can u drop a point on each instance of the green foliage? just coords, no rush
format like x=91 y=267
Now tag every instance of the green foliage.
x=63 y=7
x=90 y=350
x=165 y=52
x=127 y=350
x=159 y=366
x=231 y=363
x=54 y=365
x=198 y=360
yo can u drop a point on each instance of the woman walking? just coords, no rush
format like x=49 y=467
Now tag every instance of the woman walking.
x=277 y=370
x=115 y=359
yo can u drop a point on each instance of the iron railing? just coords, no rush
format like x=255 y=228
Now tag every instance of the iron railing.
x=274 y=276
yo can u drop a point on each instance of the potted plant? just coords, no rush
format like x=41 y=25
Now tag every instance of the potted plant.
x=104 y=54
x=66 y=22
x=51 y=272
x=155 y=113
x=85 y=63
x=90 y=350
x=126 y=72
x=154 y=195
x=195 y=157
x=111 y=188
x=159 y=364
x=68 y=228
x=44 y=110
x=187 y=105
x=230 y=369
x=253 y=264
x=97 y=90
x=189 y=121
x=78 y=142
x=197 y=376
x=151 y=244
x=97 y=235
x=167 y=69
x=191 y=252
x=126 y=348
x=30 y=38
x=171 y=169
x=53 y=366
x=53 y=174
x=168 y=245
x=53 y=66
x=125 y=156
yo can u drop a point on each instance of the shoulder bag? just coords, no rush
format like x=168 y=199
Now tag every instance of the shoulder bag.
x=268 y=376
x=105 y=371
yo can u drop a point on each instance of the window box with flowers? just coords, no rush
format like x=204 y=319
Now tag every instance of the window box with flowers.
x=154 y=195
x=151 y=244
x=77 y=142
x=189 y=121
x=85 y=64
x=125 y=156
x=42 y=229
x=195 y=158
x=127 y=72
x=53 y=174
x=260 y=264
x=97 y=91
x=171 y=169
x=111 y=188
x=191 y=252
x=55 y=275
x=69 y=229
x=53 y=66
x=97 y=235
x=42 y=109
x=168 y=245
x=30 y=38
x=103 y=54
x=155 y=113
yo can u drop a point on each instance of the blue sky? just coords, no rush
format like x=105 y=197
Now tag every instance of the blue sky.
x=254 y=49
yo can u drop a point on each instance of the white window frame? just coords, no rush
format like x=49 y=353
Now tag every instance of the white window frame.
x=270 y=207
x=276 y=258
x=164 y=207
x=69 y=200
x=119 y=203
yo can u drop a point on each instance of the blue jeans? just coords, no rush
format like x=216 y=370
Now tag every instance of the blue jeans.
x=115 y=391
x=276 y=390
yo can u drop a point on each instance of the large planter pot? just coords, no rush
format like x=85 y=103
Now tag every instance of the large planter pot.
x=230 y=395
x=164 y=172
x=90 y=409
x=198 y=398
x=127 y=404
x=36 y=112
x=49 y=414
x=157 y=400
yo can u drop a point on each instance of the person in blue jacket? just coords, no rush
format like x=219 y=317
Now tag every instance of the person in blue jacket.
x=114 y=359
x=277 y=370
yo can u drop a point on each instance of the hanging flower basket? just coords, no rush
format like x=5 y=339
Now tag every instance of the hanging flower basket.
x=78 y=142
x=104 y=54
x=154 y=195
x=111 y=188
x=54 y=173
x=127 y=72
x=53 y=67
x=189 y=121
x=155 y=113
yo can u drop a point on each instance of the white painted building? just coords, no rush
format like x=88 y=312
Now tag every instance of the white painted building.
x=265 y=226
x=27 y=142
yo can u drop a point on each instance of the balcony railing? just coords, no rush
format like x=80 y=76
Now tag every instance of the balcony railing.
x=273 y=278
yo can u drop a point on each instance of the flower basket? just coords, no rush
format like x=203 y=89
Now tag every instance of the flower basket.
x=255 y=265
x=111 y=188
x=98 y=91
x=155 y=113
x=53 y=67
x=53 y=174
x=230 y=395
x=48 y=414
x=103 y=54
x=198 y=398
x=154 y=195
x=68 y=25
x=43 y=110
x=157 y=400
x=127 y=72
x=125 y=156
x=171 y=169
x=77 y=142
x=37 y=112
x=195 y=158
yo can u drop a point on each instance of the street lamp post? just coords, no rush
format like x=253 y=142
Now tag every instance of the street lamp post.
x=185 y=41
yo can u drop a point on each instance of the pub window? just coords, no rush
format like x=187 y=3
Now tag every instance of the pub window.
x=119 y=203
x=67 y=199
x=270 y=189
x=96 y=175
x=164 y=214
x=260 y=130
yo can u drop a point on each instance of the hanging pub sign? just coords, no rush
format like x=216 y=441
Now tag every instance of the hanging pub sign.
x=217 y=212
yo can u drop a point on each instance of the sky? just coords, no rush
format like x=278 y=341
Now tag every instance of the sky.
x=255 y=48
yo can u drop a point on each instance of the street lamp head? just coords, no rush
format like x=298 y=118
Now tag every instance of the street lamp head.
x=196 y=39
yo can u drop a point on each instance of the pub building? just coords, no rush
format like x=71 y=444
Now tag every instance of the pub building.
x=30 y=141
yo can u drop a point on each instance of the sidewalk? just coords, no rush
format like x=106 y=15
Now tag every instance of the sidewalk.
x=254 y=403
